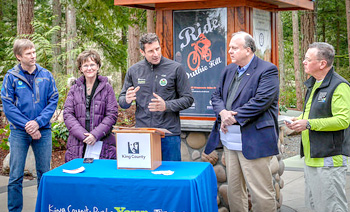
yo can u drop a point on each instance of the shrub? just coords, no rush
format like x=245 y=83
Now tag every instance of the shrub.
x=60 y=135
x=5 y=133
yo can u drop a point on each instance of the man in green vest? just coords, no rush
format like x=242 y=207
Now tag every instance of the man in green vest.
x=324 y=124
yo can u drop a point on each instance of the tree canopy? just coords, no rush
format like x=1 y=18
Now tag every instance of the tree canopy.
x=99 y=24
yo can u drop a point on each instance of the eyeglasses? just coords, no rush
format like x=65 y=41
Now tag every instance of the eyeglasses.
x=310 y=60
x=92 y=66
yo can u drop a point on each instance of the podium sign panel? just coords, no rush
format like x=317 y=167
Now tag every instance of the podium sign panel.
x=139 y=148
x=134 y=150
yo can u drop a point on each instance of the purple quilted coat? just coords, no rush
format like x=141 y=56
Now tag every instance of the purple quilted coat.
x=104 y=112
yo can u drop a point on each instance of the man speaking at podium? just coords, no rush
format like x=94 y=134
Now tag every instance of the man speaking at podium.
x=161 y=90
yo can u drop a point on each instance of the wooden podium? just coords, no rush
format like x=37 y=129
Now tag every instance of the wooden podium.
x=139 y=148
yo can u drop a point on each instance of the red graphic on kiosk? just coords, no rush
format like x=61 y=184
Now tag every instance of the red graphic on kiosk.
x=201 y=52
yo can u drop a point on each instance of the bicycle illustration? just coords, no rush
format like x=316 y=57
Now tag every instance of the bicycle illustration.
x=201 y=51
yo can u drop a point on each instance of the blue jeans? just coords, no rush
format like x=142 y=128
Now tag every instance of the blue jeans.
x=19 y=144
x=171 y=148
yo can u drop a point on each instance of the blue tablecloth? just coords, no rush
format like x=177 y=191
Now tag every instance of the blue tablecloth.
x=103 y=187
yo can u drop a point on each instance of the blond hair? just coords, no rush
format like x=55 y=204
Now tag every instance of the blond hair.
x=20 y=45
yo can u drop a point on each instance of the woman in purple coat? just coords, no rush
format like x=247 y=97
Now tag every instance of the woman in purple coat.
x=90 y=112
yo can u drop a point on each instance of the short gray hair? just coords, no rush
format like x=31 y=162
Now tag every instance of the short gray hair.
x=325 y=51
x=148 y=38
x=248 y=40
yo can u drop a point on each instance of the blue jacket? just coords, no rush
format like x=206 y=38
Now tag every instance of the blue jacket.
x=23 y=103
x=256 y=104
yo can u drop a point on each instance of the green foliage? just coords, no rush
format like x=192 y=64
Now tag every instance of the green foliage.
x=288 y=97
x=286 y=18
x=283 y=108
x=100 y=25
x=43 y=46
x=8 y=24
x=103 y=26
x=331 y=28
x=9 y=59
x=60 y=132
x=344 y=72
x=63 y=89
x=125 y=122
x=60 y=135
x=5 y=133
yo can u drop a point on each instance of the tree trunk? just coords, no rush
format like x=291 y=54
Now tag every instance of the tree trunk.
x=323 y=30
x=125 y=42
x=347 y=6
x=71 y=34
x=281 y=53
x=337 y=48
x=13 y=14
x=296 y=59
x=1 y=13
x=56 y=37
x=151 y=26
x=133 y=48
x=308 y=31
x=25 y=16
x=315 y=20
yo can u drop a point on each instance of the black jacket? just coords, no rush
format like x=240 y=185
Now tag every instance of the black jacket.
x=167 y=79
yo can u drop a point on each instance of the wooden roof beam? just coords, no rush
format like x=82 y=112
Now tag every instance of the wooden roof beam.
x=276 y=5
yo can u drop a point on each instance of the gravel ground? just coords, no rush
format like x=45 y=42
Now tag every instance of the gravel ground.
x=291 y=145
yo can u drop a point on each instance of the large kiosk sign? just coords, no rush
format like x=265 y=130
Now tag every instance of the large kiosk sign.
x=200 y=45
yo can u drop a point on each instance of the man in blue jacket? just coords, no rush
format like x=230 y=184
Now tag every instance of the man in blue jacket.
x=245 y=103
x=29 y=97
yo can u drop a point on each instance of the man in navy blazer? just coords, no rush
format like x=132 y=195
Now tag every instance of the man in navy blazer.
x=246 y=99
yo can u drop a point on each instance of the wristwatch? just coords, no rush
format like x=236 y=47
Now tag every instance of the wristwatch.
x=308 y=126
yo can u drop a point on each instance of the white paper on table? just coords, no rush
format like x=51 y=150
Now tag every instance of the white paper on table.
x=93 y=151
x=74 y=171
x=168 y=172
x=232 y=140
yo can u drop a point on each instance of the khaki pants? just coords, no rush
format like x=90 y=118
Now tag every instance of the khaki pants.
x=254 y=175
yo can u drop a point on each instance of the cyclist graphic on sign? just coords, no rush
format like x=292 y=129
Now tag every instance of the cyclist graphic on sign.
x=201 y=51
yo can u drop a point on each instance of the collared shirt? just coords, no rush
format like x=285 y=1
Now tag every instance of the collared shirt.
x=235 y=83
x=241 y=70
x=233 y=139
x=29 y=77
